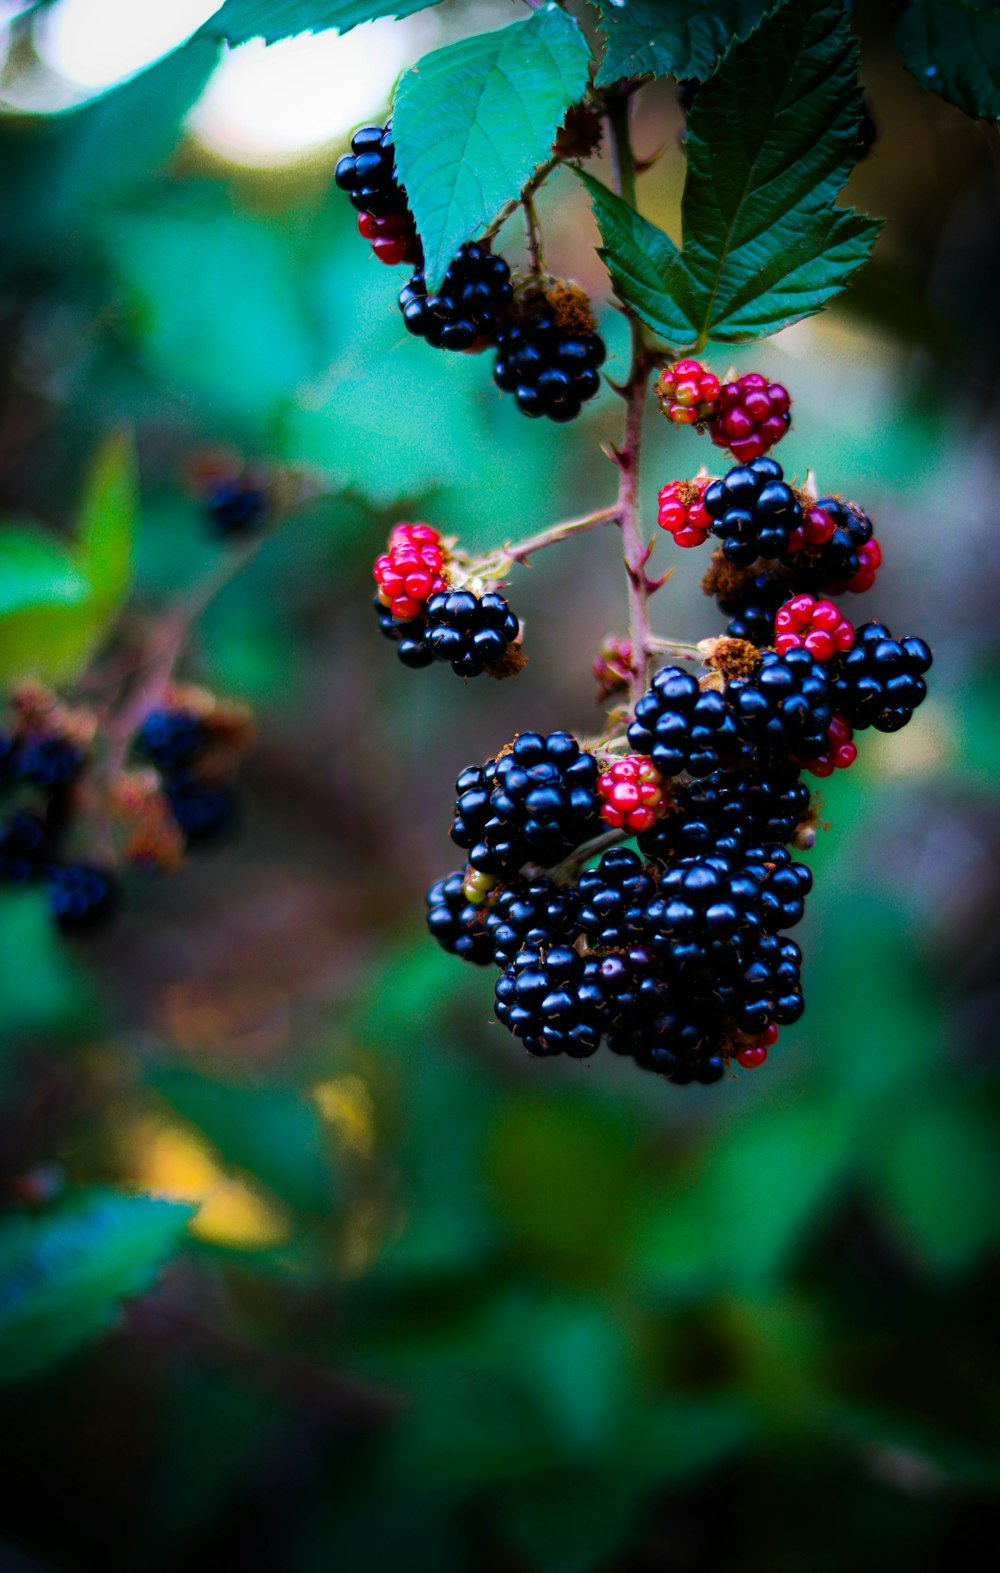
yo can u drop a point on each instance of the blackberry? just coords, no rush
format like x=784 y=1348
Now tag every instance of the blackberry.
x=614 y=897
x=880 y=681
x=171 y=739
x=753 y=512
x=536 y=802
x=705 y=906
x=455 y=923
x=750 y=597
x=768 y=992
x=551 y=1001
x=49 y=762
x=468 y=309
x=784 y=884
x=201 y=809
x=367 y=173
x=409 y=637
x=531 y=913
x=471 y=631
x=550 y=370
x=760 y=801
x=25 y=844
x=633 y=990
x=752 y=414
x=826 y=549
x=682 y=727
x=82 y=896
x=784 y=704
x=235 y=508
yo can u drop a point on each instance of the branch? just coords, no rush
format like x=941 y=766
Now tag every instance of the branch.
x=495 y=564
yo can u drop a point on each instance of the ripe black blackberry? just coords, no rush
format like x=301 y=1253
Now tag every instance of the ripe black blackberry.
x=455 y=923
x=82 y=896
x=632 y=991
x=784 y=705
x=536 y=802
x=682 y=1042
x=703 y=913
x=472 y=632
x=171 y=739
x=468 y=309
x=753 y=512
x=749 y=596
x=409 y=637
x=533 y=914
x=682 y=727
x=367 y=173
x=202 y=810
x=550 y=1001
x=880 y=680
x=614 y=898
x=49 y=762
x=234 y=507
x=784 y=884
x=768 y=991
x=551 y=370
x=759 y=799
x=820 y=558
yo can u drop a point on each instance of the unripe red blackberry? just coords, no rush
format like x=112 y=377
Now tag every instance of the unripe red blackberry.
x=681 y=511
x=550 y=367
x=632 y=794
x=473 y=632
x=687 y=392
x=456 y=924
x=533 y=914
x=817 y=626
x=682 y=727
x=751 y=416
x=869 y=563
x=880 y=681
x=825 y=548
x=468 y=310
x=411 y=570
x=753 y=512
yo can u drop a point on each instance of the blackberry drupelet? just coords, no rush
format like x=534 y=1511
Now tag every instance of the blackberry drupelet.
x=784 y=884
x=171 y=739
x=409 y=637
x=537 y=802
x=532 y=913
x=825 y=551
x=468 y=309
x=550 y=1000
x=472 y=632
x=768 y=992
x=82 y=896
x=367 y=172
x=753 y=512
x=550 y=370
x=705 y=910
x=202 y=810
x=880 y=681
x=455 y=923
x=783 y=705
x=614 y=897
x=682 y=727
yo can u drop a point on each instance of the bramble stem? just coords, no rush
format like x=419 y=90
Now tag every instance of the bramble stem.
x=633 y=391
x=497 y=563
x=539 y=178
x=533 y=235
x=678 y=651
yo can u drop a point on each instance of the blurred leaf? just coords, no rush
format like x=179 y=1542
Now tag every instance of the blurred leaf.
x=40 y=988
x=953 y=48
x=272 y=1133
x=937 y=1172
x=737 y=1213
x=64 y=1273
x=771 y=140
x=472 y=122
x=682 y=38
x=108 y=519
x=240 y=20
x=48 y=622
x=213 y=1431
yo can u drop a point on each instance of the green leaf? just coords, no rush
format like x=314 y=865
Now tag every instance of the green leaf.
x=937 y=1172
x=770 y=143
x=36 y=570
x=271 y=1133
x=640 y=258
x=48 y=624
x=107 y=522
x=240 y=20
x=953 y=48
x=473 y=121
x=64 y=1274
x=683 y=38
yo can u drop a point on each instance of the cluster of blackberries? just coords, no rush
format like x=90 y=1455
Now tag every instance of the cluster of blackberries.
x=534 y=803
x=38 y=771
x=547 y=355
x=176 y=741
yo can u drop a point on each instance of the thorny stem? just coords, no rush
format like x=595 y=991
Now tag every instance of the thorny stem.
x=533 y=235
x=627 y=456
x=497 y=563
x=541 y=174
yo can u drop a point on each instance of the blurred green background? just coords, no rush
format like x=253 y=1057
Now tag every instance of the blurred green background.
x=444 y=1307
